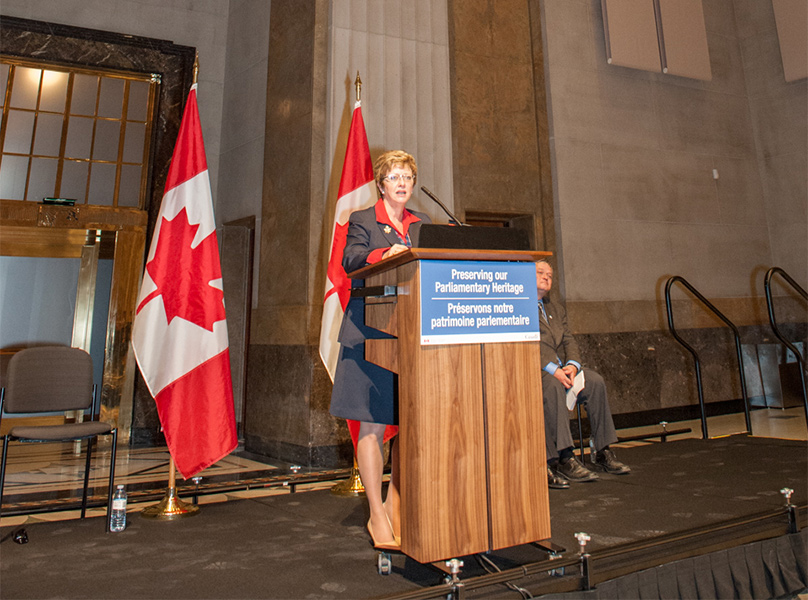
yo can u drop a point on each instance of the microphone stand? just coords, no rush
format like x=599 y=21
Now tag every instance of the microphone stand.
x=446 y=210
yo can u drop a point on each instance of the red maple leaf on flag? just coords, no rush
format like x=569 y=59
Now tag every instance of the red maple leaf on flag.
x=183 y=274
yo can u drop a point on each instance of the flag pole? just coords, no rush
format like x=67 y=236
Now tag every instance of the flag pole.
x=353 y=485
x=171 y=507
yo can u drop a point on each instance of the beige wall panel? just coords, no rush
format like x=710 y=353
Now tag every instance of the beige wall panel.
x=408 y=96
x=703 y=123
x=241 y=165
x=719 y=262
x=753 y=17
x=571 y=41
x=401 y=51
x=761 y=63
x=631 y=38
x=781 y=121
x=740 y=192
x=579 y=179
x=789 y=249
x=791 y=17
x=604 y=107
x=651 y=185
x=726 y=64
x=719 y=18
x=685 y=39
x=442 y=163
x=614 y=260
x=786 y=191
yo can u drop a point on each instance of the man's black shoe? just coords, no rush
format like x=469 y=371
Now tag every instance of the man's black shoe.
x=605 y=459
x=573 y=471
x=556 y=482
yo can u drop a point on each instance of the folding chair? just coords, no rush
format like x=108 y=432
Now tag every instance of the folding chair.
x=55 y=379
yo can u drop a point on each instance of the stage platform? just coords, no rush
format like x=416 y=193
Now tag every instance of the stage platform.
x=708 y=511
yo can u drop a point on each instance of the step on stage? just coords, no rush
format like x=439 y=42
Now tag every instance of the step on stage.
x=696 y=518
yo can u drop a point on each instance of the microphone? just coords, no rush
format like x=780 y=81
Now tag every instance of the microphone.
x=446 y=210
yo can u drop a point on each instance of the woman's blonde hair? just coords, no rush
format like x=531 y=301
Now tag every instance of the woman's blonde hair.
x=394 y=158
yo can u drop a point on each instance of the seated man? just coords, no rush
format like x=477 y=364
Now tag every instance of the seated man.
x=560 y=360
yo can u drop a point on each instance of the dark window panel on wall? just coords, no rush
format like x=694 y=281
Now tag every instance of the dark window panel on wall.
x=48 y=134
x=79 y=137
x=43 y=178
x=137 y=109
x=74 y=179
x=19 y=132
x=102 y=184
x=110 y=98
x=683 y=39
x=630 y=29
x=791 y=17
x=107 y=140
x=85 y=94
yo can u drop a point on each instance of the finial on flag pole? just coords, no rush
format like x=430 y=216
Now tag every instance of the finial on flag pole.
x=196 y=66
x=358 y=84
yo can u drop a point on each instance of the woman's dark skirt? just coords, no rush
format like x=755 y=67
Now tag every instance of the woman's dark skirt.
x=363 y=391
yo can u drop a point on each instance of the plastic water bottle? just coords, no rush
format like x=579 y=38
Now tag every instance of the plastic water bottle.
x=118 y=521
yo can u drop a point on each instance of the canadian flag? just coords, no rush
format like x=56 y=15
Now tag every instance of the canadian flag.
x=357 y=190
x=180 y=332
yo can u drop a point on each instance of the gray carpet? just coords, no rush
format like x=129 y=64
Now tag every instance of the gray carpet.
x=314 y=545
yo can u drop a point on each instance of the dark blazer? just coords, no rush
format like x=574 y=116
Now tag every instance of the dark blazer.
x=366 y=234
x=557 y=341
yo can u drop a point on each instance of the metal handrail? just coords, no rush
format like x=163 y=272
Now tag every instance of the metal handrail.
x=721 y=316
x=800 y=358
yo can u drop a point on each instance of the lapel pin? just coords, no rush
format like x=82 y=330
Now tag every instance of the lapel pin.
x=387 y=229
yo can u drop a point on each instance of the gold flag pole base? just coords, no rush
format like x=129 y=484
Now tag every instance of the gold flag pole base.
x=170 y=507
x=350 y=487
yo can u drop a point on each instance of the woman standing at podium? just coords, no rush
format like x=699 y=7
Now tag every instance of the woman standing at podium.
x=363 y=391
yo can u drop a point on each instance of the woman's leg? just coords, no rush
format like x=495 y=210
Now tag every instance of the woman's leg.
x=392 y=503
x=370 y=459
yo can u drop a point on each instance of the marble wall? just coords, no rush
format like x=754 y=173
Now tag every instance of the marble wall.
x=634 y=153
x=636 y=202
x=779 y=116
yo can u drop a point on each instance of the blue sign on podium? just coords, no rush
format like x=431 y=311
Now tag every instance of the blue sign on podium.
x=475 y=302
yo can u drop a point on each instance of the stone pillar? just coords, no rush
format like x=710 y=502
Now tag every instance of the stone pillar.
x=499 y=112
x=288 y=389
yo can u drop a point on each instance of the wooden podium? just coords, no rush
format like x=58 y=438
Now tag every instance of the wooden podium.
x=471 y=443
